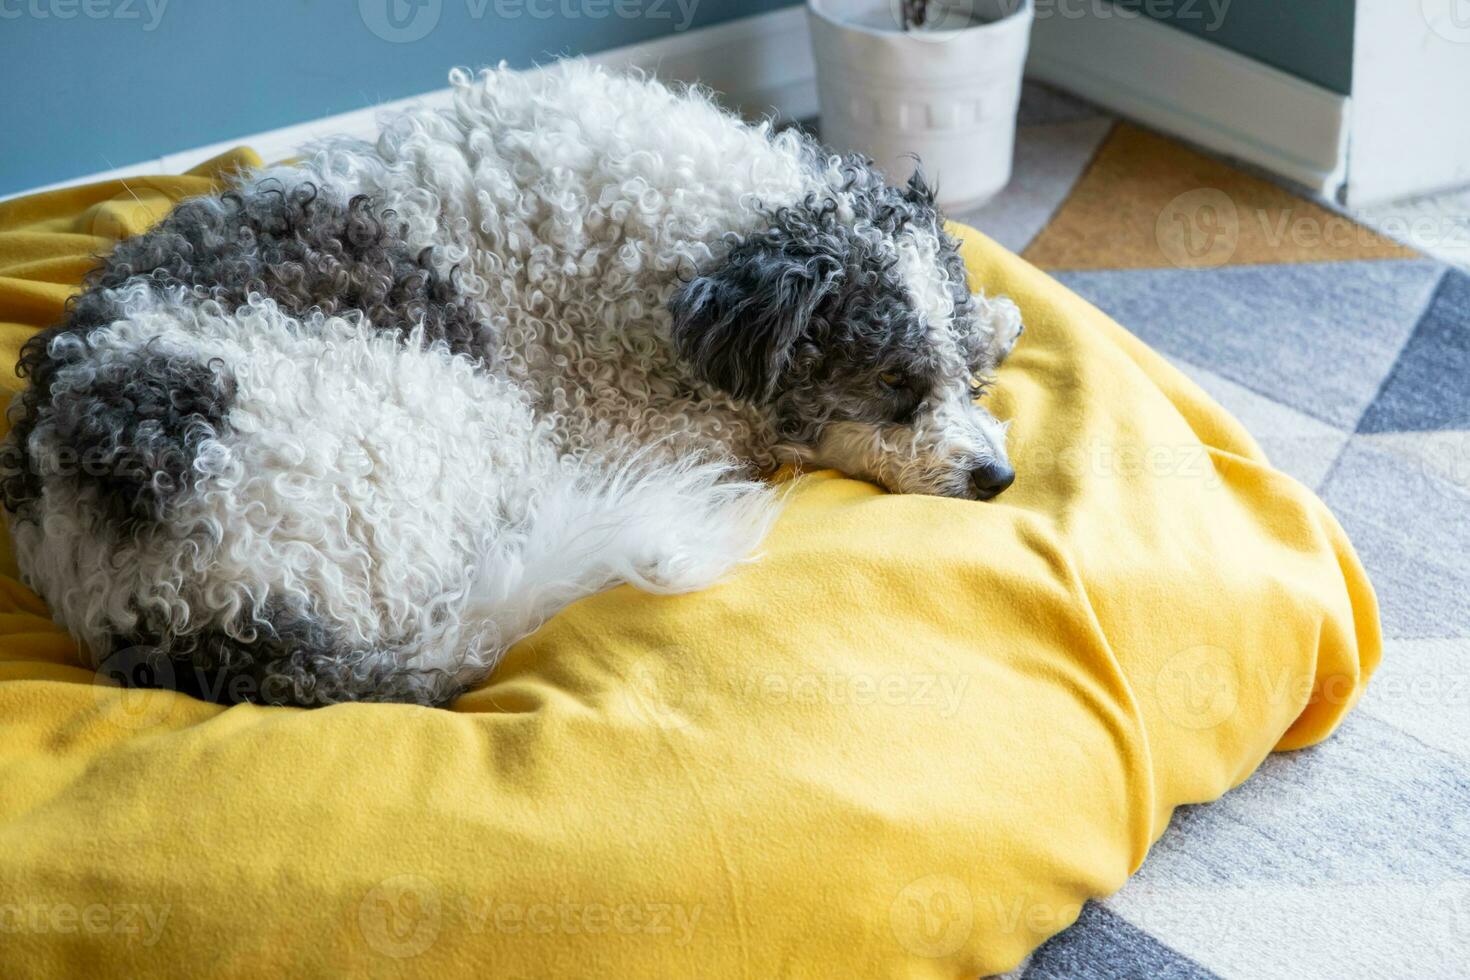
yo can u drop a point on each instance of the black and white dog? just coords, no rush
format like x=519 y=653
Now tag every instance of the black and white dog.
x=350 y=428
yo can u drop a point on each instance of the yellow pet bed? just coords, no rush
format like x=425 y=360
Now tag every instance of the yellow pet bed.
x=911 y=741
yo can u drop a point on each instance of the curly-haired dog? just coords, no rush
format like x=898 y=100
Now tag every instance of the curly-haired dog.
x=348 y=429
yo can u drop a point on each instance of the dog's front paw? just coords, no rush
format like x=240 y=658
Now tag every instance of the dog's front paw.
x=1006 y=339
x=1002 y=319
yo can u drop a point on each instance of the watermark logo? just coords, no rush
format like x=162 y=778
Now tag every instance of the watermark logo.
x=136 y=685
x=1199 y=229
x=659 y=696
x=1198 y=688
x=1450 y=19
x=1446 y=464
x=933 y=916
x=401 y=916
x=400 y=21
x=1204 y=227
x=1447 y=908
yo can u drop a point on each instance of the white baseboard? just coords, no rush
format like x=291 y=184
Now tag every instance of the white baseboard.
x=761 y=66
x=1200 y=91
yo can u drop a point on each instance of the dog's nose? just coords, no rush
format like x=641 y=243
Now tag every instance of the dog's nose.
x=991 y=480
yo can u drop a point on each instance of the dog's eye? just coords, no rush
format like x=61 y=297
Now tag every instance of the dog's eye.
x=903 y=400
x=892 y=379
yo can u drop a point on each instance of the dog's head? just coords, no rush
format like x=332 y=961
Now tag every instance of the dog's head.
x=851 y=321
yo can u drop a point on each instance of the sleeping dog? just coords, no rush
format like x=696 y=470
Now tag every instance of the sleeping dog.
x=348 y=429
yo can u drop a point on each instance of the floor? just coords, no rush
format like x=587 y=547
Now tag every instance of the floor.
x=1347 y=354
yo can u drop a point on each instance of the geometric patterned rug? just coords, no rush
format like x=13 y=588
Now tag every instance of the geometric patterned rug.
x=1348 y=357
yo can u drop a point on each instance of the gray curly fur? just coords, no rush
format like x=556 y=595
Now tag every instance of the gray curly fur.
x=807 y=316
x=296 y=248
x=128 y=435
x=279 y=657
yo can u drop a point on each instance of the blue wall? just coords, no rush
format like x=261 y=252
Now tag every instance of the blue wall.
x=1312 y=39
x=95 y=84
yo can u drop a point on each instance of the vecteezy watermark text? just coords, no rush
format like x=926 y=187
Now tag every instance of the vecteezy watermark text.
x=142 y=922
x=405 y=915
x=147 y=13
x=403 y=21
x=1209 y=14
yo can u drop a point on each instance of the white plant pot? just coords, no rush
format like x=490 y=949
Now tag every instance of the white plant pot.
x=946 y=93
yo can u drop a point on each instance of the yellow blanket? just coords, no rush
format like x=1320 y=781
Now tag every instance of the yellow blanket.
x=910 y=741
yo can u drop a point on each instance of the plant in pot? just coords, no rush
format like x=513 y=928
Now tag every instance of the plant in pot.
x=937 y=80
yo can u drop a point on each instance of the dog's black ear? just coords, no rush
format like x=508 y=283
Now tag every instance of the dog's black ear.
x=739 y=324
x=919 y=190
